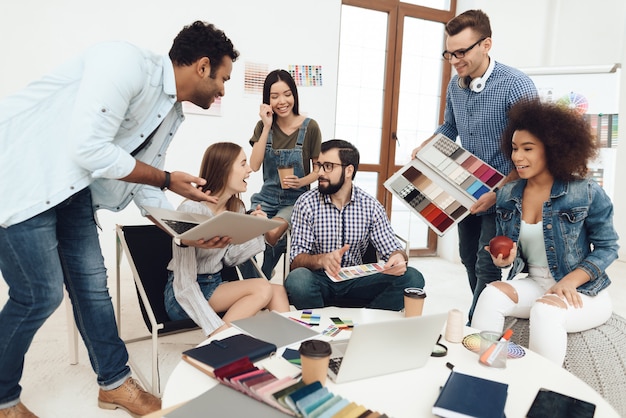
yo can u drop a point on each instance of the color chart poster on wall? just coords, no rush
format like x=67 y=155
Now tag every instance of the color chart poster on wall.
x=254 y=77
x=442 y=183
x=306 y=75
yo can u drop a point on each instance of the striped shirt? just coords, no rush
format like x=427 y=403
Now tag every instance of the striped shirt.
x=188 y=262
x=320 y=227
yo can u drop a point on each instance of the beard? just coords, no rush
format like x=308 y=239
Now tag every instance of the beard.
x=330 y=188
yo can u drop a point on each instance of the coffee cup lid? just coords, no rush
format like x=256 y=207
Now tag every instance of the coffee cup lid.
x=315 y=348
x=415 y=292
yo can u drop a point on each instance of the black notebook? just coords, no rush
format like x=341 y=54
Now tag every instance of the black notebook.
x=219 y=353
x=470 y=396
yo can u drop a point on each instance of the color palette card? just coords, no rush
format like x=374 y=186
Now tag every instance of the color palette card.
x=442 y=183
x=354 y=272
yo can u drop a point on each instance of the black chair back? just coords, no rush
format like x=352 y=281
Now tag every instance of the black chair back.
x=151 y=251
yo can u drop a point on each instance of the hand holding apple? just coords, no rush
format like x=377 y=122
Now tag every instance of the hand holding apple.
x=502 y=250
x=500 y=245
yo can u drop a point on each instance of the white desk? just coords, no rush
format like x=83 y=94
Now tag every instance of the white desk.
x=412 y=393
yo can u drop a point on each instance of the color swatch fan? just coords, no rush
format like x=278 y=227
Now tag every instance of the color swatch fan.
x=442 y=183
x=575 y=101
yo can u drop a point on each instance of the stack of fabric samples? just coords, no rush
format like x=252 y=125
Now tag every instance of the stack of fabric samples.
x=289 y=394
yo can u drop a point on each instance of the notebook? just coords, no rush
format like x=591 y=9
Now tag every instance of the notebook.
x=385 y=347
x=219 y=353
x=192 y=226
x=471 y=396
x=273 y=327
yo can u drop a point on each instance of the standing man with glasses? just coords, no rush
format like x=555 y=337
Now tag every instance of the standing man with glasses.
x=478 y=99
x=332 y=227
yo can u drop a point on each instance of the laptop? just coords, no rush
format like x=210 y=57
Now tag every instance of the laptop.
x=192 y=226
x=385 y=347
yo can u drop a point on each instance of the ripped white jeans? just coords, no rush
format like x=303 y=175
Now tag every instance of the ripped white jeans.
x=549 y=324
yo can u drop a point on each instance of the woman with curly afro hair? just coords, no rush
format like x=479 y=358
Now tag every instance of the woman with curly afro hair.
x=562 y=224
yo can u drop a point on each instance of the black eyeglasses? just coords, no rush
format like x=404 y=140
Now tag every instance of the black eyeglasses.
x=328 y=167
x=460 y=53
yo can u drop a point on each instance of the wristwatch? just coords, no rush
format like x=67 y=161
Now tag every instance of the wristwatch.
x=168 y=179
x=178 y=242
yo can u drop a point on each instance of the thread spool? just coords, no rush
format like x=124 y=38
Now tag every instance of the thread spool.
x=454 y=326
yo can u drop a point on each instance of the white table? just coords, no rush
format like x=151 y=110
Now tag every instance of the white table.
x=412 y=393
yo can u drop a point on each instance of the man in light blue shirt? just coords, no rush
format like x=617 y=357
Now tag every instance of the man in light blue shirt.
x=477 y=101
x=91 y=134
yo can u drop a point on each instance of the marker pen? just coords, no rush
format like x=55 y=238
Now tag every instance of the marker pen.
x=489 y=356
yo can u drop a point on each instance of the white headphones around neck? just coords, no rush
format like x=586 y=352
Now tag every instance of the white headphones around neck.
x=477 y=84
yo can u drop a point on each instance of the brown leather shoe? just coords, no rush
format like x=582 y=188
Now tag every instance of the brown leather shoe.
x=17 y=411
x=130 y=397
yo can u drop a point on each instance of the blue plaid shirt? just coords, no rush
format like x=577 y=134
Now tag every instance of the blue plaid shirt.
x=480 y=118
x=319 y=227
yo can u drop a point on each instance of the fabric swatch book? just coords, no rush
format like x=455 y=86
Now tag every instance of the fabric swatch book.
x=219 y=353
x=470 y=396
x=442 y=183
x=266 y=394
x=354 y=272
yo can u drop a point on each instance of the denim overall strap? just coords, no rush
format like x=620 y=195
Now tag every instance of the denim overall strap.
x=272 y=196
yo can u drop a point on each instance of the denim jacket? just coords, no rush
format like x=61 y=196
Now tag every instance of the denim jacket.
x=577 y=229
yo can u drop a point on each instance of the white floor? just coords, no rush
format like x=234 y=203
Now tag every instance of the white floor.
x=54 y=388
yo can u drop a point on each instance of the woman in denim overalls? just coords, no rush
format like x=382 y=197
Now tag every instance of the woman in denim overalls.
x=282 y=138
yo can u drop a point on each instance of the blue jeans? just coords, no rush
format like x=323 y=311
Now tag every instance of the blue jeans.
x=308 y=289
x=475 y=232
x=37 y=257
x=208 y=284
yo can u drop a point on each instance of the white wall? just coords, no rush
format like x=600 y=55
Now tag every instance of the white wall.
x=35 y=36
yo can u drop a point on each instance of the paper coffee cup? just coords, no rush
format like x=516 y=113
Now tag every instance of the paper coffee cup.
x=314 y=357
x=284 y=171
x=413 y=301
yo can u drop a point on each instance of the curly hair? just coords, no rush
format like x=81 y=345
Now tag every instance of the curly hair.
x=566 y=135
x=201 y=39
x=216 y=166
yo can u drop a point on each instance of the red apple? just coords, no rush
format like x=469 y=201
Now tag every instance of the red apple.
x=500 y=245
